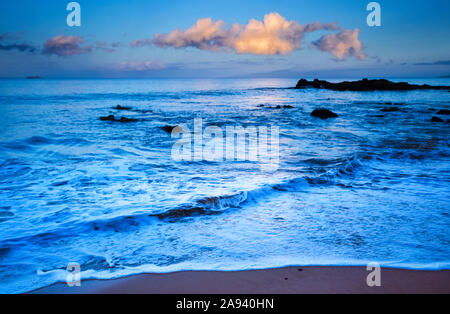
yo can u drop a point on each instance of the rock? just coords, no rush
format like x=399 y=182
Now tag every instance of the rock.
x=365 y=85
x=444 y=112
x=276 y=107
x=108 y=118
x=392 y=109
x=127 y=120
x=119 y=107
x=323 y=114
x=168 y=128
x=122 y=119
x=436 y=119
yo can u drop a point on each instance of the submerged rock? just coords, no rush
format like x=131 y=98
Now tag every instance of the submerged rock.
x=323 y=114
x=444 y=112
x=365 y=85
x=392 y=109
x=127 y=120
x=436 y=119
x=119 y=107
x=276 y=107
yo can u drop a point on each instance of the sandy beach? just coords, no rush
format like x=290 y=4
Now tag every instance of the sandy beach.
x=290 y=280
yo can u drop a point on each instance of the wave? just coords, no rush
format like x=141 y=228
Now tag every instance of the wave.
x=415 y=149
x=328 y=172
x=204 y=206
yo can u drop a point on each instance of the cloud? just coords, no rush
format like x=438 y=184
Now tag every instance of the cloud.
x=274 y=35
x=65 y=46
x=4 y=36
x=377 y=59
x=58 y=45
x=441 y=62
x=23 y=47
x=342 y=45
x=128 y=66
x=205 y=35
x=12 y=36
x=104 y=46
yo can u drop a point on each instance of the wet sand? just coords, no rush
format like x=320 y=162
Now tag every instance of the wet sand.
x=290 y=280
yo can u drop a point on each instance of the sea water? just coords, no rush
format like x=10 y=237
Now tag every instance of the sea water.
x=368 y=186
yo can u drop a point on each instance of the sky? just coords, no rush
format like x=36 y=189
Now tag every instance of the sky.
x=208 y=39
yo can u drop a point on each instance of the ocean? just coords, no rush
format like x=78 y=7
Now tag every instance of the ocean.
x=367 y=186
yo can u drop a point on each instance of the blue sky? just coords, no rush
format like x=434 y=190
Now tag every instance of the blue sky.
x=412 y=41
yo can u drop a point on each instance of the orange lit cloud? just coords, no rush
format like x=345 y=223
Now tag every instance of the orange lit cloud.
x=274 y=35
x=271 y=36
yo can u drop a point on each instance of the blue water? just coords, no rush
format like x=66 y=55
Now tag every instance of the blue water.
x=365 y=187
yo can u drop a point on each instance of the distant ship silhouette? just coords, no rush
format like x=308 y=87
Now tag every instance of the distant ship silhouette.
x=34 y=77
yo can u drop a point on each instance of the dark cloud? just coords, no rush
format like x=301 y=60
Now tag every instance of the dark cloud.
x=104 y=46
x=23 y=47
x=441 y=62
x=7 y=42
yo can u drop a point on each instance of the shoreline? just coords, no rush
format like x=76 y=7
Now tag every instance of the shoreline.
x=287 y=280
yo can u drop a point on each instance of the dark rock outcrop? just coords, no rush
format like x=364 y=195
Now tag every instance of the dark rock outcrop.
x=365 y=85
x=323 y=114
x=444 y=112
x=436 y=119
x=168 y=128
x=121 y=120
x=108 y=118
